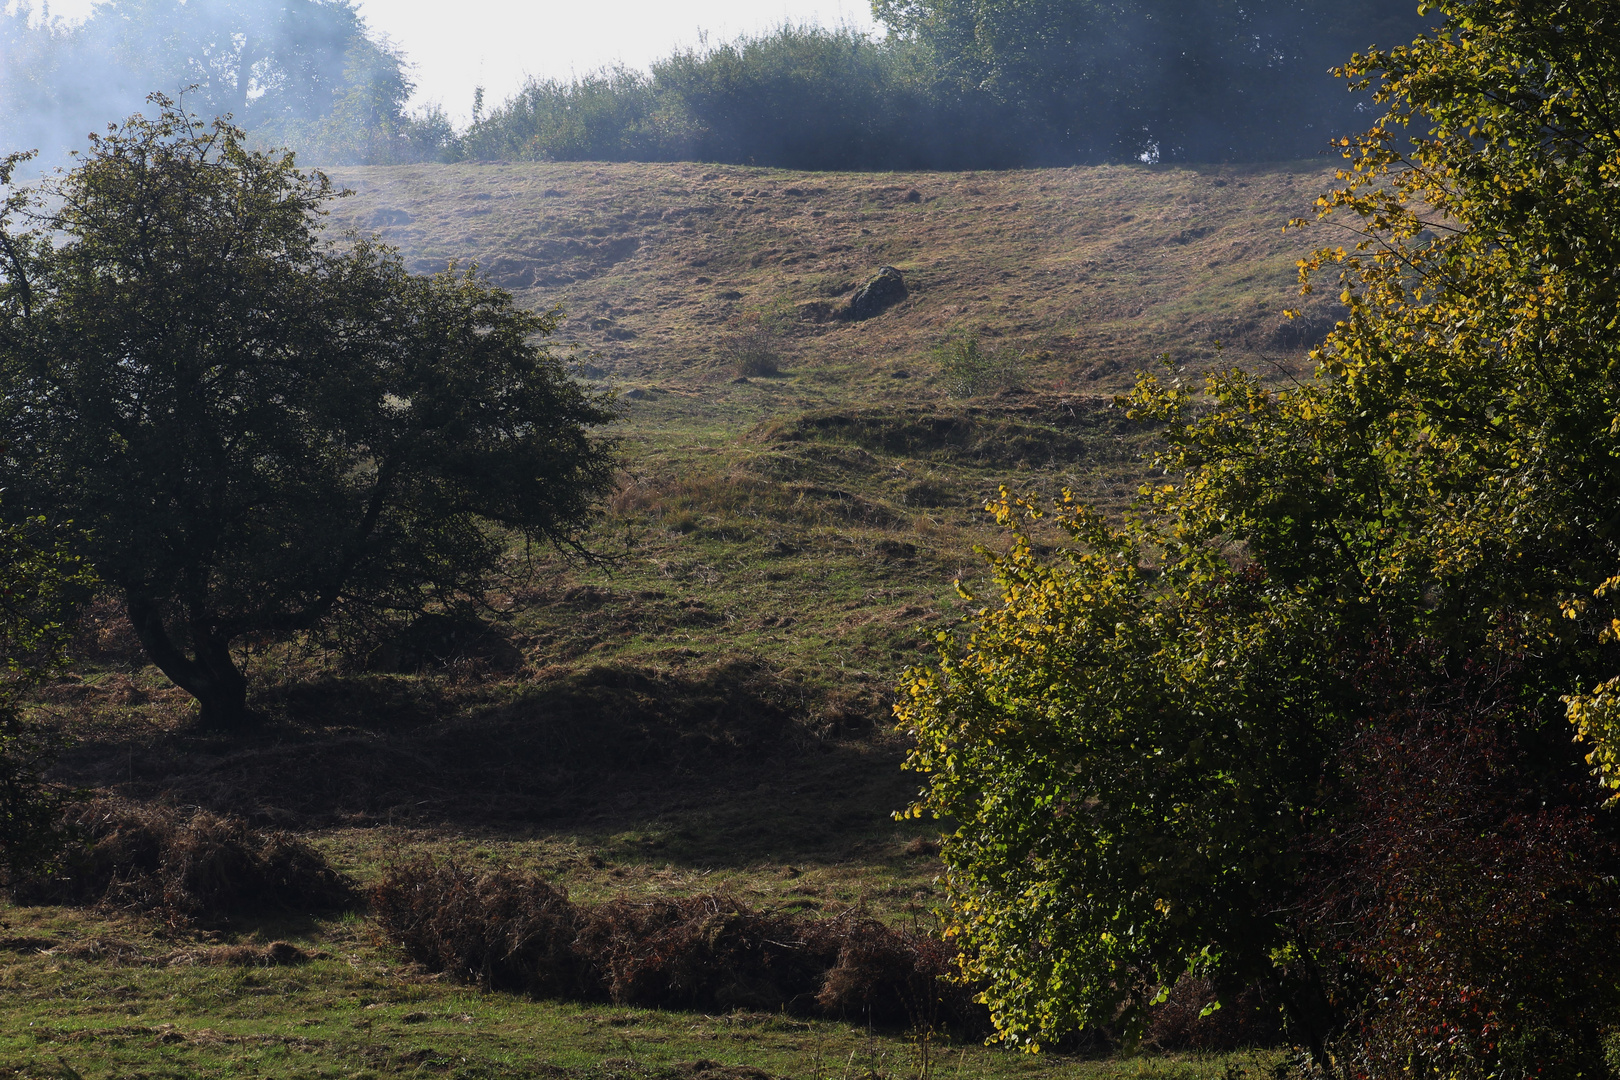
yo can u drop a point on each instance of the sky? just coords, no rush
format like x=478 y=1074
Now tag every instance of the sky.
x=498 y=44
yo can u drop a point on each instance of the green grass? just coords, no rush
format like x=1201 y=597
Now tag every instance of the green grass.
x=708 y=708
x=356 y=1011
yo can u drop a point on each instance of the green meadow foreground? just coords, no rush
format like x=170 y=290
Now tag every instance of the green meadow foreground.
x=705 y=710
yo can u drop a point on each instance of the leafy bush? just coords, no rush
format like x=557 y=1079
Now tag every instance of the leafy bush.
x=751 y=351
x=802 y=97
x=613 y=115
x=40 y=583
x=1125 y=736
x=967 y=368
x=1165 y=743
x=33 y=837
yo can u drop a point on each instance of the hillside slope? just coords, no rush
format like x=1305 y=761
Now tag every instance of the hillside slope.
x=780 y=547
x=1102 y=268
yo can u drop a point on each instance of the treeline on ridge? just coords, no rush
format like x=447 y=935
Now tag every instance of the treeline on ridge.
x=960 y=85
x=952 y=84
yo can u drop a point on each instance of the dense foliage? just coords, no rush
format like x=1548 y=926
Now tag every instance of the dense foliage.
x=1131 y=742
x=260 y=428
x=1328 y=656
x=40 y=581
x=802 y=97
x=1158 y=80
x=975 y=85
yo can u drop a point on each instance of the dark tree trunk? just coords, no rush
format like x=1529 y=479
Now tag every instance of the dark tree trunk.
x=209 y=675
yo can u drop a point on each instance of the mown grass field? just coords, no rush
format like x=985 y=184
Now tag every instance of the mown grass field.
x=706 y=709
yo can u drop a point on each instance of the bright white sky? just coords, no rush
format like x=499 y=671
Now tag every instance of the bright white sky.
x=460 y=44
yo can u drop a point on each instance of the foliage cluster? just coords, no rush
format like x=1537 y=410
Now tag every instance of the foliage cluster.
x=1188 y=80
x=1482 y=913
x=1299 y=718
x=970 y=84
x=954 y=84
x=801 y=97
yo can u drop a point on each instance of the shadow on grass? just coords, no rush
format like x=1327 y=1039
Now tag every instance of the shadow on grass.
x=708 y=768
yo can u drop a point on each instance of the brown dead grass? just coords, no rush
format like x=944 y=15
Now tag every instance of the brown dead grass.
x=187 y=867
x=1097 y=269
x=710 y=952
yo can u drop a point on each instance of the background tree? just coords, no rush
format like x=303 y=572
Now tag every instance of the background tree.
x=245 y=58
x=955 y=84
x=1443 y=494
x=257 y=427
x=301 y=70
x=1170 y=80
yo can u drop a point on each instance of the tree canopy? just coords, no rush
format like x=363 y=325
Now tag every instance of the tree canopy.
x=1159 y=80
x=258 y=427
x=306 y=71
x=1239 y=732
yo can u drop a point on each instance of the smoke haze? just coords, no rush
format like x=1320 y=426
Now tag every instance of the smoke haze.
x=953 y=83
x=275 y=65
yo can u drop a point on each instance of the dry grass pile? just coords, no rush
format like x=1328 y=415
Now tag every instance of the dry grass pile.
x=712 y=953
x=500 y=930
x=186 y=866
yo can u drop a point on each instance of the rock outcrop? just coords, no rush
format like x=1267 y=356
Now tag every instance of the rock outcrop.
x=882 y=290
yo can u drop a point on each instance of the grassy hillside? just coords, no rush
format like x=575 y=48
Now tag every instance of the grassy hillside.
x=1096 y=268
x=707 y=707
